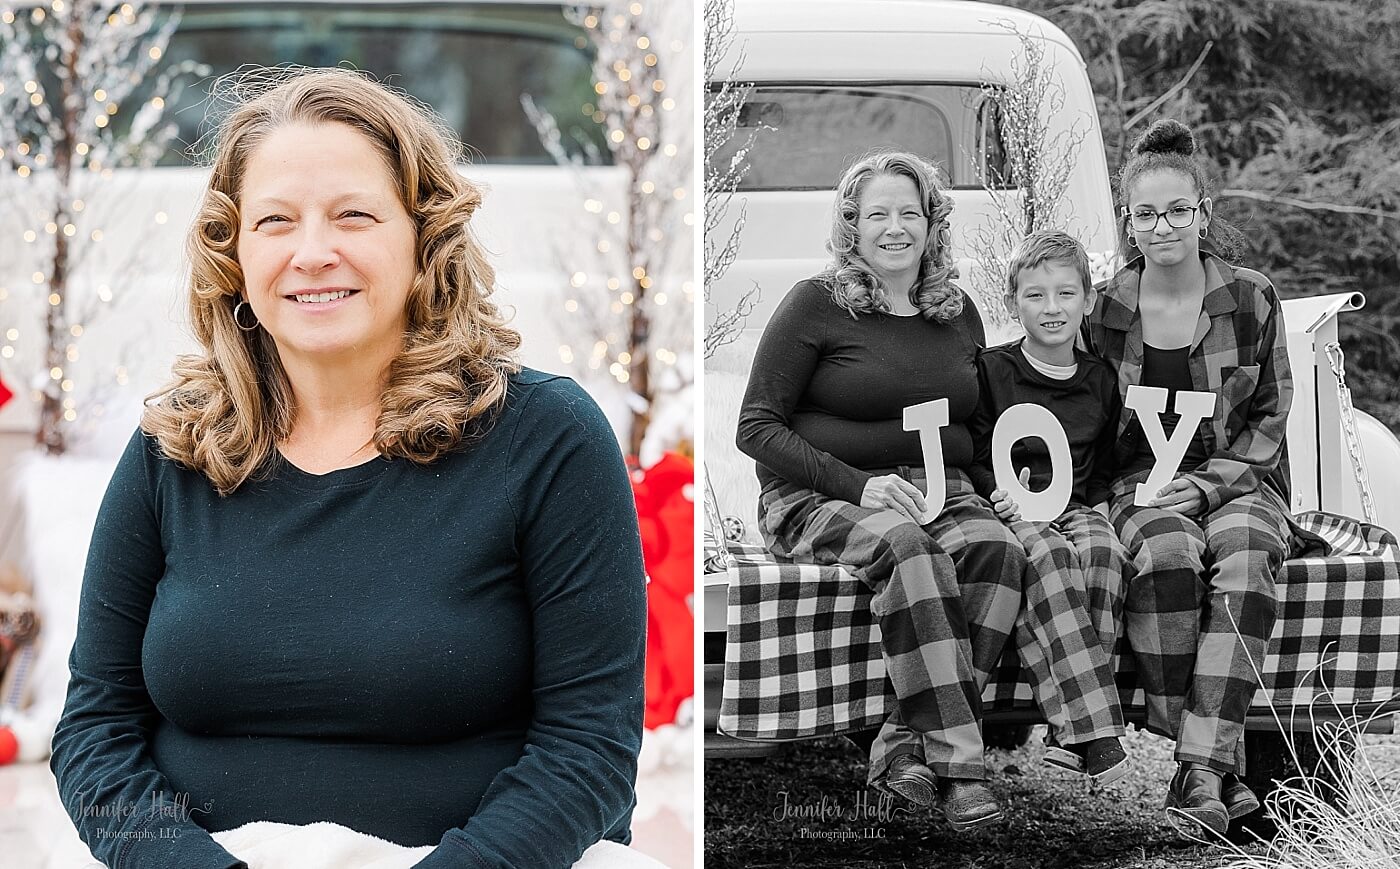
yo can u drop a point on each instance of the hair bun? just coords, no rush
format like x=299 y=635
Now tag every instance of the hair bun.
x=1166 y=137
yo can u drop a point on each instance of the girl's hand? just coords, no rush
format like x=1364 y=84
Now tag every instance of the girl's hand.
x=1181 y=495
x=893 y=492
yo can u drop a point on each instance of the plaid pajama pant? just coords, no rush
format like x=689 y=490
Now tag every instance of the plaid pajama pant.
x=1068 y=628
x=946 y=595
x=1199 y=613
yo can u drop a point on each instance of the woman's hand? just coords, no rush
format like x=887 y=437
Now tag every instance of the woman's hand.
x=1181 y=495
x=893 y=492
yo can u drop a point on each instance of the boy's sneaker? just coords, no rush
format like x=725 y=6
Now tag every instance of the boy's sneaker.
x=1239 y=800
x=1062 y=757
x=1102 y=759
x=1105 y=761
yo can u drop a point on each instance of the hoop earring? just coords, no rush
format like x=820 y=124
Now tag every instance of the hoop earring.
x=1132 y=241
x=237 y=321
x=1203 y=230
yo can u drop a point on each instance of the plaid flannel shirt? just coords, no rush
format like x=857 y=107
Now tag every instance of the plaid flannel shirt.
x=1239 y=352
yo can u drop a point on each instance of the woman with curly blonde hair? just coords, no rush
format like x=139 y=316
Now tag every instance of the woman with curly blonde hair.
x=843 y=483
x=358 y=566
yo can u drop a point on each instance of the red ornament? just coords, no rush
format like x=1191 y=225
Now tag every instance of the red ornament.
x=5 y=393
x=666 y=515
x=9 y=746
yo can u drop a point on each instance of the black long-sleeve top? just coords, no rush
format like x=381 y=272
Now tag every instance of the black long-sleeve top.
x=1086 y=405
x=447 y=654
x=826 y=395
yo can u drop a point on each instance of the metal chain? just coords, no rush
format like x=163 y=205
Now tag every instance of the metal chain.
x=1358 y=459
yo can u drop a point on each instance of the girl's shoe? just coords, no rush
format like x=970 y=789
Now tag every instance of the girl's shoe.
x=1193 y=802
x=1239 y=800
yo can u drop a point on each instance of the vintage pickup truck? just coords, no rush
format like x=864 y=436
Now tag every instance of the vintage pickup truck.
x=830 y=80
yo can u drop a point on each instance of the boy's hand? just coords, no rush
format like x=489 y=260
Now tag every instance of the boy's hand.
x=1181 y=495
x=1003 y=505
x=893 y=492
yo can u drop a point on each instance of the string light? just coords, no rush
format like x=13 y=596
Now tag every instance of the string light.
x=629 y=91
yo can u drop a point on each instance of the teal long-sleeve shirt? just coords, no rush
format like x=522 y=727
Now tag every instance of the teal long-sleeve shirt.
x=449 y=654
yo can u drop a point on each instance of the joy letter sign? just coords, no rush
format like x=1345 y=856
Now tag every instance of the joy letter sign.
x=1032 y=420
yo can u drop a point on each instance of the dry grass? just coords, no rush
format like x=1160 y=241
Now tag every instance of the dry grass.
x=1347 y=817
x=1054 y=820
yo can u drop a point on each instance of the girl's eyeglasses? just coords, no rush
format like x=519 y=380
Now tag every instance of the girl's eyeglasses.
x=1178 y=217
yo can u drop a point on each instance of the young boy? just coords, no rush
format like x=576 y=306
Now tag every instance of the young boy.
x=1074 y=578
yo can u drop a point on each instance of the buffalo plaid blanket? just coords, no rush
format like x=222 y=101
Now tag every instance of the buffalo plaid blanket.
x=803 y=659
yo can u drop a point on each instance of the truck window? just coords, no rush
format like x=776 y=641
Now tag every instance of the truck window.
x=470 y=62
x=805 y=135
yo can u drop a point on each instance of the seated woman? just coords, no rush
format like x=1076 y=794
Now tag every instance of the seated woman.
x=1200 y=609
x=358 y=565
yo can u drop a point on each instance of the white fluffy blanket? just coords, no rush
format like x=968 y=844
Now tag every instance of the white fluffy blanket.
x=266 y=845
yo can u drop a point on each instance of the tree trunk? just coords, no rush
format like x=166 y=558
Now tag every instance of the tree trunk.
x=52 y=436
